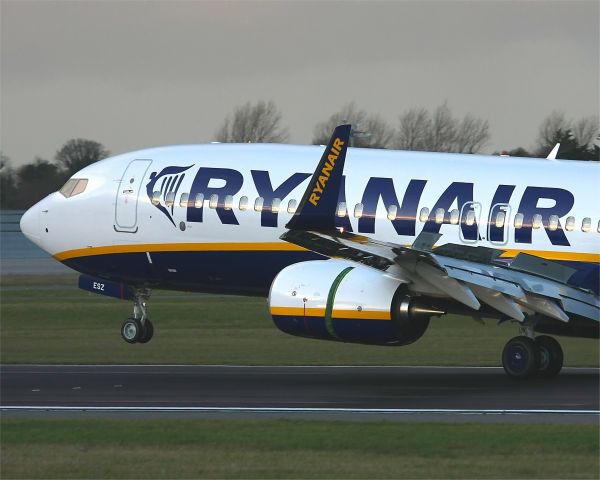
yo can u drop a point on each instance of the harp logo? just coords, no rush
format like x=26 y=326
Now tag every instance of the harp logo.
x=163 y=187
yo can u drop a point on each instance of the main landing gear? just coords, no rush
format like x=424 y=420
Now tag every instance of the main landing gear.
x=528 y=356
x=139 y=328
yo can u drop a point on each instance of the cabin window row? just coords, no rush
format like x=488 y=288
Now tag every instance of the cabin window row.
x=439 y=215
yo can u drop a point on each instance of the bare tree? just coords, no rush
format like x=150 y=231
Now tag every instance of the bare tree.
x=414 y=127
x=586 y=130
x=553 y=123
x=441 y=132
x=259 y=123
x=576 y=137
x=78 y=153
x=471 y=135
x=370 y=130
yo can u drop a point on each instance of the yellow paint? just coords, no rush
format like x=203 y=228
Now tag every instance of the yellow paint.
x=319 y=186
x=278 y=247
x=179 y=247
x=337 y=313
x=549 y=255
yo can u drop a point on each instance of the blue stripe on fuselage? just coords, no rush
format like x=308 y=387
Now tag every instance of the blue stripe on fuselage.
x=239 y=272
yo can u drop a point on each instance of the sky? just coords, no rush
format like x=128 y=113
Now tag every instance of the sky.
x=135 y=74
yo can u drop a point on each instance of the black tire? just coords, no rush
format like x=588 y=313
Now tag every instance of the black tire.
x=148 y=332
x=551 y=356
x=131 y=330
x=521 y=357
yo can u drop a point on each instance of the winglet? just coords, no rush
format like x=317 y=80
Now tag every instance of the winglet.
x=554 y=152
x=317 y=208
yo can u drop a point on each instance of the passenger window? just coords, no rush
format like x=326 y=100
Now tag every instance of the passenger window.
x=586 y=225
x=500 y=218
x=470 y=220
x=553 y=223
x=341 y=209
x=228 y=202
x=537 y=221
x=244 y=203
x=258 y=204
x=155 y=197
x=570 y=224
x=598 y=226
x=519 y=220
x=214 y=201
x=454 y=216
x=170 y=199
x=424 y=215
x=439 y=215
x=199 y=202
x=391 y=212
x=358 y=210
x=292 y=204
x=275 y=205
x=183 y=200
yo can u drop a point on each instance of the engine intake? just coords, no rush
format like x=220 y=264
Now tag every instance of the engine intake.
x=334 y=300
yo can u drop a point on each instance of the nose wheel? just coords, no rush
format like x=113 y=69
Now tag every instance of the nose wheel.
x=133 y=331
x=139 y=328
x=525 y=357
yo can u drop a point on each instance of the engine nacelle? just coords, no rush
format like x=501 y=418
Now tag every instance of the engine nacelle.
x=334 y=300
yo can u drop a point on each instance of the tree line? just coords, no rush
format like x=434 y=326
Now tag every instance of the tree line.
x=417 y=129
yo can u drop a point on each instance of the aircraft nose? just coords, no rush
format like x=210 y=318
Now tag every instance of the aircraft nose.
x=30 y=224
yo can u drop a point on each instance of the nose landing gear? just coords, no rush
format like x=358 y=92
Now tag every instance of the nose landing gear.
x=525 y=356
x=139 y=328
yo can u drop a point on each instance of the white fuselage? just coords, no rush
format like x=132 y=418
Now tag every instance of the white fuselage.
x=549 y=208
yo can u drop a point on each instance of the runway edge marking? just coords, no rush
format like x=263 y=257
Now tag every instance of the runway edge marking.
x=298 y=410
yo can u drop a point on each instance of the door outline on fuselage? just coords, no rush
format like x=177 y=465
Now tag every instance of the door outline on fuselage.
x=492 y=229
x=468 y=206
x=128 y=193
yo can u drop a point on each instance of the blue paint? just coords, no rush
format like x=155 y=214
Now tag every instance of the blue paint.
x=268 y=218
x=241 y=272
x=501 y=197
x=564 y=201
x=233 y=183
x=405 y=221
x=371 y=332
x=461 y=193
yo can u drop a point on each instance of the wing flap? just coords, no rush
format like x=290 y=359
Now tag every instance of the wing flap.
x=464 y=273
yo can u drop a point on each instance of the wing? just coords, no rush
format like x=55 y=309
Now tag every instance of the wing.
x=469 y=275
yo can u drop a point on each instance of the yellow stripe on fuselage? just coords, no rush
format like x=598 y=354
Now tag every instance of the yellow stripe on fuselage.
x=550 y=255
x=276 y=247
x=337 y=313
x=179 y=247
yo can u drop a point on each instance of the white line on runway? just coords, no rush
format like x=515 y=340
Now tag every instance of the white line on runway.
x=455 y=367
x=453 y=411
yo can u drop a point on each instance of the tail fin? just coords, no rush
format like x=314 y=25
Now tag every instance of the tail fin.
x=317 y=207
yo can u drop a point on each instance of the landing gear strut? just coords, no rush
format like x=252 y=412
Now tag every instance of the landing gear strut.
x=527 y=356
x=139 y=328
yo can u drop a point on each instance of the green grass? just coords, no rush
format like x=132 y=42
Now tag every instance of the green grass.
x=67 y=325
x=294 y=449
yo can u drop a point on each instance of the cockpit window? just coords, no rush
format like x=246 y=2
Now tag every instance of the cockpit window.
x=74 y=186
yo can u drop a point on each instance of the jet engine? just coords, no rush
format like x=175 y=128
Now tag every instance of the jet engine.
x=336 y=300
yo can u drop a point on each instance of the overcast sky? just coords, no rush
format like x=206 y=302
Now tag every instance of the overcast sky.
x=134 y=74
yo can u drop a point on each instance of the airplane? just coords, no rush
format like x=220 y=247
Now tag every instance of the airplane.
x=366 y=248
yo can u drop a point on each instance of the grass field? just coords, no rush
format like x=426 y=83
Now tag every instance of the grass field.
x=294 y=449
x=66 y=325
x=56 y=323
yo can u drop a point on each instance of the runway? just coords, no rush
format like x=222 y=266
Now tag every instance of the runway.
x=365 y=393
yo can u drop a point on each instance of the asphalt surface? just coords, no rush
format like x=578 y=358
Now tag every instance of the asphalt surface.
x=365 y=393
